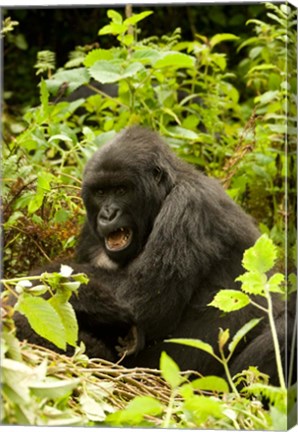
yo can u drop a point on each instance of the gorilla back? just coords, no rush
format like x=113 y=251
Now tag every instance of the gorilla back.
x=160 y=240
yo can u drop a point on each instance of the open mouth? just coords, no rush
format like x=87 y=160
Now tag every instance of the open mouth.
x=119 y=239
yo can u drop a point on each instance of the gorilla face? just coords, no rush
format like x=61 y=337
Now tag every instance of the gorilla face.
x=123 y=197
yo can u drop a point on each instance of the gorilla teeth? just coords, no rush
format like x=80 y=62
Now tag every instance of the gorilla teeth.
x=118 y=239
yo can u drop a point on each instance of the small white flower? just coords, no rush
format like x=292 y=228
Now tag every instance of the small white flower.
x=65 y=270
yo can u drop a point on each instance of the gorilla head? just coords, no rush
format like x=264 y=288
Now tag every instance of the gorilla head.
x=124 y=194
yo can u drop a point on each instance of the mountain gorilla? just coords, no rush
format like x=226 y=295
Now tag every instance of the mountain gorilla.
x=159 y=241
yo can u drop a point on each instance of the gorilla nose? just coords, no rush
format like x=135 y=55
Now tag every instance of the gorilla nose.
x=109 y=214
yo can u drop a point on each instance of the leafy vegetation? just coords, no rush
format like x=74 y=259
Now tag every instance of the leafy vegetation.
x=238 y=126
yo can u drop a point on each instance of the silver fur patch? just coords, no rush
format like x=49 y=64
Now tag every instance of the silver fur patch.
x=103 y=261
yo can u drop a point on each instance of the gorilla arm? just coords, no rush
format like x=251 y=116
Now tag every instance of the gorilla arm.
x=198 y=232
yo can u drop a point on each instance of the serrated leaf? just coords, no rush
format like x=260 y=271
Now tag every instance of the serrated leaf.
x=175 y=60
x=170 y=370
x=275 y=282
x=253 y=283
x=261 y=257
x=218 y=38
x=242 y=332
x=106 y=71
x=96 y=55
x=74 y=79
x=68 y=318
x=147 y=55
x=132 y=69
x=212 y=383
x=194 y=343
x=230 y=300
x=43 y=319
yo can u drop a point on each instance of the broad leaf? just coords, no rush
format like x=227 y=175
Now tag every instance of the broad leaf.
x=68 y=318
x=275 y=282
x=43 y=319
x=230 y=300
x=213 y=383
x=73 y=78
x=169 y=370
x=175 y=60
x=138 y=17
x=96 y=55
x=106 y=71
x=218 y=38
x=261 y=257
x=194 y=343
x=253 y=283
x=53 y=388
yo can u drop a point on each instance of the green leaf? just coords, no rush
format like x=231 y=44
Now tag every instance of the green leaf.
x=43 y=319
x=147 y=405
x=36 y=202
x=44 y=181
x=275 y=282
x=253 y=283
x=183 y=133
x=175 y=60
x=169 y=370
x=267 y=97
x=242 y=332
x=261 y=257
x=106 y=71
x=218 y=38
x=53 y=388
x=147 y=55
x=230 y=300
x=114 y=29
x=116 y=17
x=212 y=383
x=201 y=407
x=138 y=17
x=73 y=78
x=135 y=411
x=194 y=343
x=112 y=71
x=96 y=55
x=68 y=318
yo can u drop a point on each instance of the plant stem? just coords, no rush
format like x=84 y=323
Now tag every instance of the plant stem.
x=230 y=380
x=275 y=340
x=169 y=410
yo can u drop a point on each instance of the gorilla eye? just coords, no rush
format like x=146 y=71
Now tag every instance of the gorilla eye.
x=157 y=174
x=100 y=192
x=121 y=190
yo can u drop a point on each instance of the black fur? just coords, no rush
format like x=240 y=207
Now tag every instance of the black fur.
x=188 y=242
